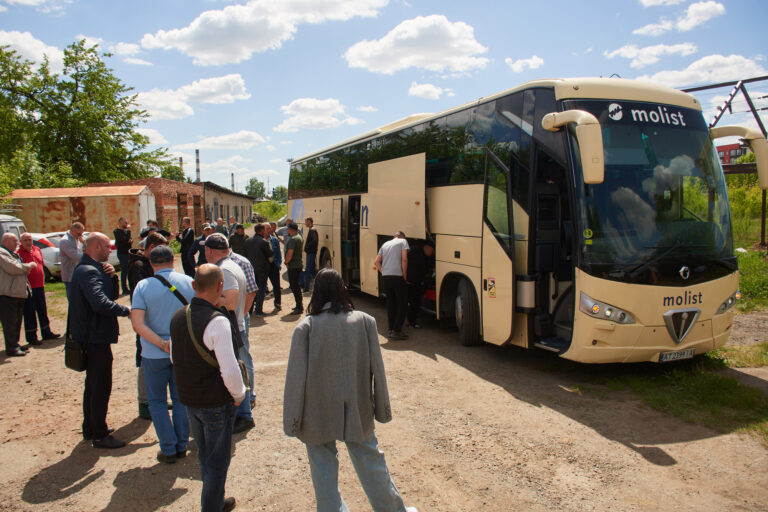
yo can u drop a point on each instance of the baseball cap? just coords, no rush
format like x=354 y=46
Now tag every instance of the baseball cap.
x=161 y=254
x=206 y=226
x=216 y=241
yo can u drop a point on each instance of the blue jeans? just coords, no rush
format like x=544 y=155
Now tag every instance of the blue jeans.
x=212 y=430
x=310 y=271
x=158 y=377
x=244 y=354
x=371 y=469
x=125 y=261
x=36 y=310
x=258 y=301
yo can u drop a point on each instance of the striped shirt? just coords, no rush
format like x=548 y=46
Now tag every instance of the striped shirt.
x=245 y=265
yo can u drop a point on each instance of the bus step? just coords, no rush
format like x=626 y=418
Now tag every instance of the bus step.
x=558 y=345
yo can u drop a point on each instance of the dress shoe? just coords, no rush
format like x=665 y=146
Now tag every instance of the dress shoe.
x=51 y=336
x=166 y=459
x=89 y=437
x=16 y=352
x=181 y=454
x=229 y=504
x=25 y=348
x=108 y=442
x=297 y=311
x=34 y=342
x=242 y=425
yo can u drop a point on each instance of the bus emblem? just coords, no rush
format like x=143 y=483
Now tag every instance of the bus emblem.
x=615 y=111
x=685 y=272
x=679 y=322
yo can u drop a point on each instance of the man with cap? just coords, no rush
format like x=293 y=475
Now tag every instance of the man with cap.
x=233 y=298
x=392 y=262
x=198 y=247
x=154 y=302
x=237 y=240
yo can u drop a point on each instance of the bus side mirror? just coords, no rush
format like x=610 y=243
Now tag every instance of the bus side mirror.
x=756 y=141
x=590 y=140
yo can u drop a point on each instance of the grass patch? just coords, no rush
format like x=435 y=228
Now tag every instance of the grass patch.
x=694 y=391
x=742 y=356
x=753 y=282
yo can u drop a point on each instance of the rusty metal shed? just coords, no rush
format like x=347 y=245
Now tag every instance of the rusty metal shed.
x=45 y=210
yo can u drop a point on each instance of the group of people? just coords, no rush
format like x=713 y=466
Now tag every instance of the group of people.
x=193 y=334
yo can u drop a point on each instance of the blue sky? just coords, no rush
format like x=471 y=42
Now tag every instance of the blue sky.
x=253 y=83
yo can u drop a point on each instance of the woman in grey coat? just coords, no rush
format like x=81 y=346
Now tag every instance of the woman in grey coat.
x=334 y=388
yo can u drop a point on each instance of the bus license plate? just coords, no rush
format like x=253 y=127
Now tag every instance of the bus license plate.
x=676 y=356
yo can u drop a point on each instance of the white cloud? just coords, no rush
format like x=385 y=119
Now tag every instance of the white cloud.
x=367 y=108
x=155 y=137
x=712 y=68
x=428 y=91
x=650 y=54
x=270 y=147
x=33 y=49
x=243 y=139
x=234 y=33
x=227 y=163
x=174 y=104
x=125 y=49
x=426 y=42
x=519 y=65
x=654 y=3
x=90 y=40
x=696 y=14
x=314 y=114
x=260 y=172
x=46 y=6
x=138 y=62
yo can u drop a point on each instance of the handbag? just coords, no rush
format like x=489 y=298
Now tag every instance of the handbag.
x=210 y=359
x=75 y=352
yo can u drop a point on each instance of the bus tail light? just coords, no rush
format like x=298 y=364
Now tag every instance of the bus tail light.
x=729 y=302
x=603 y=311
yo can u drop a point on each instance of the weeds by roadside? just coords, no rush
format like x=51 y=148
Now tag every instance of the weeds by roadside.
x=742 y=356
x=753 y=281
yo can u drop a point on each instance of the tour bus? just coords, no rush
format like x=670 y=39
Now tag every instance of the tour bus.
x=588 y=217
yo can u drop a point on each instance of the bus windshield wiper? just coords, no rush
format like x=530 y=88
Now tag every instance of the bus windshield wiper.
x=668 y=249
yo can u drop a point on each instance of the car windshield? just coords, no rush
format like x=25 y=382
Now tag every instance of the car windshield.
x=663 y=195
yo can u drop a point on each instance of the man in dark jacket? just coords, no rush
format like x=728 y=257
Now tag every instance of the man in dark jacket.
x=310 y=248
x=198 y=247
x=186 y=238
x=237 y=240
x=259 y=253
x=123 y=241
x=93 y=316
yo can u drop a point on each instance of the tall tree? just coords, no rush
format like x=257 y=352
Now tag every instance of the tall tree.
x=280 y=193
x=255 y=188
x=84 y=118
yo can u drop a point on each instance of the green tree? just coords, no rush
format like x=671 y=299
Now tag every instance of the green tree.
x=173 y=172
x=255 y=188
x=84 y=119
x=280 y=193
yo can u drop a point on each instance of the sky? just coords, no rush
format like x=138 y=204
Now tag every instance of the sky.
x=252 y=84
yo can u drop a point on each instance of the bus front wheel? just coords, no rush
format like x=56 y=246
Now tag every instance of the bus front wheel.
x=467 y=314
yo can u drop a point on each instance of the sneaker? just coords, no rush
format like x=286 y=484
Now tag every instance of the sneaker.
x=108 y=442
x=16 y=352
x=242 y=425
x=166 y=459
x=414 y=326
x=411 y=509
x=230 y=503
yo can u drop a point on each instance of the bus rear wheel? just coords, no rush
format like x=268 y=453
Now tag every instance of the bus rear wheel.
x=467 y=314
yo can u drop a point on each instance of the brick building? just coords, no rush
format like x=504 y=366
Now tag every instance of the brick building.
x=173 y=200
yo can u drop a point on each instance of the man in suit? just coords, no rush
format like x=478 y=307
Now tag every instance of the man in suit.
x=259 y=252
x=186 y=238
x=93 y=316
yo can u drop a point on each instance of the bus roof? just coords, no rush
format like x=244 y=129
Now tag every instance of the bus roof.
x=565 y=88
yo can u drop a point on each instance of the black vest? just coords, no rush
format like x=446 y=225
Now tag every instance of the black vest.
x=199 y=384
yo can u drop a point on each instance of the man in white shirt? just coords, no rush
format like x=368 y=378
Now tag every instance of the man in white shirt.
x=392 y=262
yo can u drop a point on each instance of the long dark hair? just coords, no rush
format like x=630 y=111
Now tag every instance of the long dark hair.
x=329 y=287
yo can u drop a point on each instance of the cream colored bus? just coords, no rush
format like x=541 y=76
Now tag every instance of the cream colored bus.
x=584 y=216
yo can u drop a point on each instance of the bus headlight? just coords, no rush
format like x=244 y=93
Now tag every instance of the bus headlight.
x=603 y=311
x=729 y=302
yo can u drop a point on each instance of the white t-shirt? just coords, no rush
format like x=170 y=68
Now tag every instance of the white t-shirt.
x=392 y=256
x=235 y=279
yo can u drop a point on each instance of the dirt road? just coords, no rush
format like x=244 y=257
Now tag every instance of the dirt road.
x=485 y=429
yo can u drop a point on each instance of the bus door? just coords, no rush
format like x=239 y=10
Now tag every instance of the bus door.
x=498 y=250
x=336 y=254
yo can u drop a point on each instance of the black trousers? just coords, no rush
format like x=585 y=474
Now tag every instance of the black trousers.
x=35 y=307
x=415 y=295
x=98 y=388
x=274 y=278
x=11 y=311
x=397 y=301
x=293 y=280
x=187 y=264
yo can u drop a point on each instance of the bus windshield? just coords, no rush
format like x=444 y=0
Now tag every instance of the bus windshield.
x=663 y=200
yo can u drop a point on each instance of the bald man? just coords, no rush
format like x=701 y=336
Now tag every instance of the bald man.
x=93 y=316
x=14 y=290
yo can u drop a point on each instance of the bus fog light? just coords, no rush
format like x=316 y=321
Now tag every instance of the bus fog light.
x=593 y=308
x=729 y=302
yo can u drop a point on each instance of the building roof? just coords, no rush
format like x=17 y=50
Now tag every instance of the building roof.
x=120 y=190
x=224 y=190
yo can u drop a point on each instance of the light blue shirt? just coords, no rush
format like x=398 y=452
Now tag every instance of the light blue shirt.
x=159 y=304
